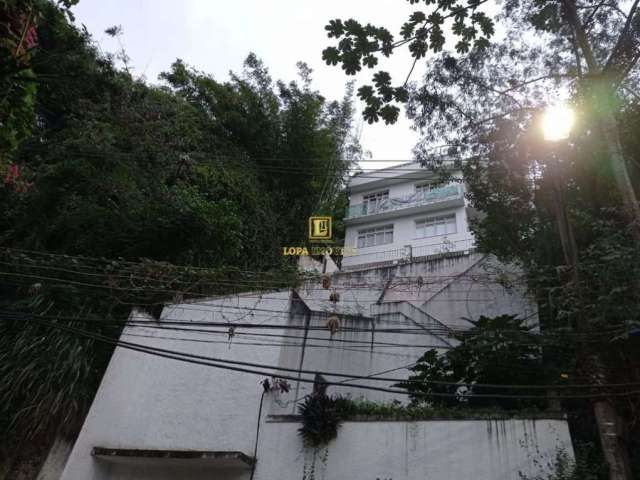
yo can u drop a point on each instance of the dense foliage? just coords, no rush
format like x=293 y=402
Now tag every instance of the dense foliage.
x=321 y=417
x=497 y=351
x=562 y=466
x=321 y=414
x=128 y=179
x=478 y=107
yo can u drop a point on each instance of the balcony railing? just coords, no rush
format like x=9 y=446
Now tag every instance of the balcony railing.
x=407 y=253
x=435 y=195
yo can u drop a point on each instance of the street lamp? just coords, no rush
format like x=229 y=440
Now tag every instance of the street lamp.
x=557 y=122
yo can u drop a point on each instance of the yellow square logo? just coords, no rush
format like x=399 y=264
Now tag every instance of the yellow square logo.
x=319 y=228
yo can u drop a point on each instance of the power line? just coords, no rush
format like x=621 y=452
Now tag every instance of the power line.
x=244 y=158
x=312 y=171
x=159 y=264
x=120 y=262
x=227 y=364
x=250 y=364
x=332 y=342
x=257 y=162
x=329 y=346
x=239 y=285
x=399 y=282
x=372 y=350
x=206 y=299
x=173 y=322
x=511 y=277
x=421 y=329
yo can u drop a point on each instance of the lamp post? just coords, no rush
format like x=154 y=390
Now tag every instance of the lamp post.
x=557 y=122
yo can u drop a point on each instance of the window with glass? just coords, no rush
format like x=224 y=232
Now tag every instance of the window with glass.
x=435 y=226
x=374 y=201
x=371 y=237
x=422 y=188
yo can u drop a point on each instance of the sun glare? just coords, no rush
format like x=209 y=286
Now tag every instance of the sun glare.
x=557 y=122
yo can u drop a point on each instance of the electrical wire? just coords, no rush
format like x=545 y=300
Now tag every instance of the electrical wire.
x=332 y=342
x=422 y=330
x=217 y=361
x=309 y=277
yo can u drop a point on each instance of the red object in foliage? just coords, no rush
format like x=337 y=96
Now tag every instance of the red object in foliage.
x=22 y=28
x=31 y=38
x=13 y=173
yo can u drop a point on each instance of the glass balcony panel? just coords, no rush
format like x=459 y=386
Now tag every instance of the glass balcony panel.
x=434 y=195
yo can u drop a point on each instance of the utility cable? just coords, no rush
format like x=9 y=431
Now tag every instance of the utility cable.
x=219 y=361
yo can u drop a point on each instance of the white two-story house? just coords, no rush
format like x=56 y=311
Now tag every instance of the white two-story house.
x=404 y=212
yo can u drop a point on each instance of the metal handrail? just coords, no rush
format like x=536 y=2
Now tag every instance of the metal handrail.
x=390 y=204
x=408 y=252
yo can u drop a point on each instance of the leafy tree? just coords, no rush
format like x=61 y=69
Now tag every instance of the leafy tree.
x=286 y=128
x=18 y=81
x=196 y=172
x=486 y=81
x=472 y=83
x=482 y=357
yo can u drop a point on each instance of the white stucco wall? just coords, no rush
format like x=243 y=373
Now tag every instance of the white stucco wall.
x=388 y=176
x=482 y=291
x=147 y=402
x=404 y=233
x=355 y=358
x=384 y=450
x=395 y=181
x=392 y=179
x=434 y=450
x=401 y=189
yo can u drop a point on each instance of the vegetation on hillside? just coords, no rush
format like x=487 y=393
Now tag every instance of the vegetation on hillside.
x=120 y=180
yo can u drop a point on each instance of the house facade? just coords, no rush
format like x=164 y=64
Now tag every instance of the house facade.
x=405 y=212
x=163 y=418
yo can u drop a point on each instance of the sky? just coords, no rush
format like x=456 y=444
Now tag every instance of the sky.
x=215 y=37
